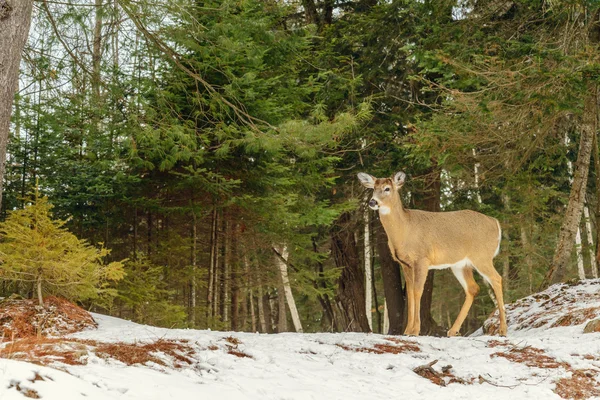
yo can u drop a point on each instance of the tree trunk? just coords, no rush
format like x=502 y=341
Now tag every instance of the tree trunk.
x=351 y=290
x=283 y=274
x=564 y=247
x=527 y=255
x=329 y=320
x=261 y=309
x=15 y=18
x=590 y=241
x=211 y=265
x=234 y=277
x=39 y=290
x=226 y=269
x=194 y=256
x=367 y=262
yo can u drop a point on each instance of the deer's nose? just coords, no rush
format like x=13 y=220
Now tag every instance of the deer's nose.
x=373 y=203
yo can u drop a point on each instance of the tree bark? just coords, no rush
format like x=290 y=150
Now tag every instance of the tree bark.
x=367 y=263
x=194 y=256
x=211 y=264
x=351 y=290
x=564 y=247
x=15 y=18
x=285 y=281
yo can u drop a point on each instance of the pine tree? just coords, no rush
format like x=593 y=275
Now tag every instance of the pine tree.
x=39 y=250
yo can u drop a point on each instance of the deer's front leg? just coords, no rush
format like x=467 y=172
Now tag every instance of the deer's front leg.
x=420 y=270
x=408 y=278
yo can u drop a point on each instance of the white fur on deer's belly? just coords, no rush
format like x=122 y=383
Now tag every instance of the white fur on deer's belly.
x=465 y=262
x=384 y=210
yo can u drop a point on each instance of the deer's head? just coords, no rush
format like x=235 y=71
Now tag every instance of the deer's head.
x=385 y=190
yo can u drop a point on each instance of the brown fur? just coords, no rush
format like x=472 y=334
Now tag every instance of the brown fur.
x=420 y=240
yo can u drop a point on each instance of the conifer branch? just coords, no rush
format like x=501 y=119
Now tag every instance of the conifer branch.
x=173 y=56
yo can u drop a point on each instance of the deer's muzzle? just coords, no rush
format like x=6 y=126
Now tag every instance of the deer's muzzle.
x=373 y=204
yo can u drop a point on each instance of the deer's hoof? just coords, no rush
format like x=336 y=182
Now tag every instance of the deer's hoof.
x=452 y=333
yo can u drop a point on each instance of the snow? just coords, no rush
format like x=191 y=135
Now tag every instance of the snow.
x=318 y=366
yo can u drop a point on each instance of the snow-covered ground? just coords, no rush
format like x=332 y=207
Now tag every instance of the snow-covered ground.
x=528 y=364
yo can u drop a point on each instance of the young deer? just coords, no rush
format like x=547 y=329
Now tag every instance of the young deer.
x=422 y=240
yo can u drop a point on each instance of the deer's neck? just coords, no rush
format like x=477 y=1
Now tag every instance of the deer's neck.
x=394 y=216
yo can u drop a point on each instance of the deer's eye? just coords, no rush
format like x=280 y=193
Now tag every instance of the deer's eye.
x=387 y=189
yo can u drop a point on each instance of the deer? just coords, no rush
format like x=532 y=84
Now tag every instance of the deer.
x=421 y=240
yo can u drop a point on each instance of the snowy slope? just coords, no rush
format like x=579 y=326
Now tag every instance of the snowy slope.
x=228 y=365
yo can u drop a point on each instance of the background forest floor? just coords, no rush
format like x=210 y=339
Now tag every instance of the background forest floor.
x=546 y=355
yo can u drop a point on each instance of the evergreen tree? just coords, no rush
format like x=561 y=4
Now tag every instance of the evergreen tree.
x=39 y=250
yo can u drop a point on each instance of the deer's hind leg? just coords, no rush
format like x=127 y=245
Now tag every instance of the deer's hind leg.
x=465 y=276
x=490 y=274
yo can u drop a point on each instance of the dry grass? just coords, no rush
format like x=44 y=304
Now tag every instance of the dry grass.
x=581 y=385
x=25 y=318
x=577 y=317
x=530 y=356
x=401 y=346
x=45 y=351
x=233 y=347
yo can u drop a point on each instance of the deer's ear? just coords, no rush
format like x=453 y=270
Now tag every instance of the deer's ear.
x=367 y=180
x=399 y=179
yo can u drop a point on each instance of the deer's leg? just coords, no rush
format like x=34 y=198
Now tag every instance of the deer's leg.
x=420 y=270
x=408 y=277
x=465 y=277
x=495 y=280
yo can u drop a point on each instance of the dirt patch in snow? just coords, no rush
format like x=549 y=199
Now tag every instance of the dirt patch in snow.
x=44 y=351
x=179 y=352
x=530 y=356
x=582 y=384
x=399 y=346
x=48 y=351
x=26 y=318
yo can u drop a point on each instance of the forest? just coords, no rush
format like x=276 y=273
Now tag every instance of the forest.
x=193 y=163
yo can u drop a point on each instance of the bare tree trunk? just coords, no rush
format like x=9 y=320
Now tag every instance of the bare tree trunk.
x=194 y=256
x=351 y=292
x=226 y=269
x=15 y=18
x=562 y=253
x=39 y=290
x=386 y=319
x=590 y=241
x=211 y=265
x=578 y=250
x=368 y=274
x=217 y=271
x=596 y=152
x=283 y=273
x=528 y=261
x=261 y=309
x=281 y=310
x=234 y=278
